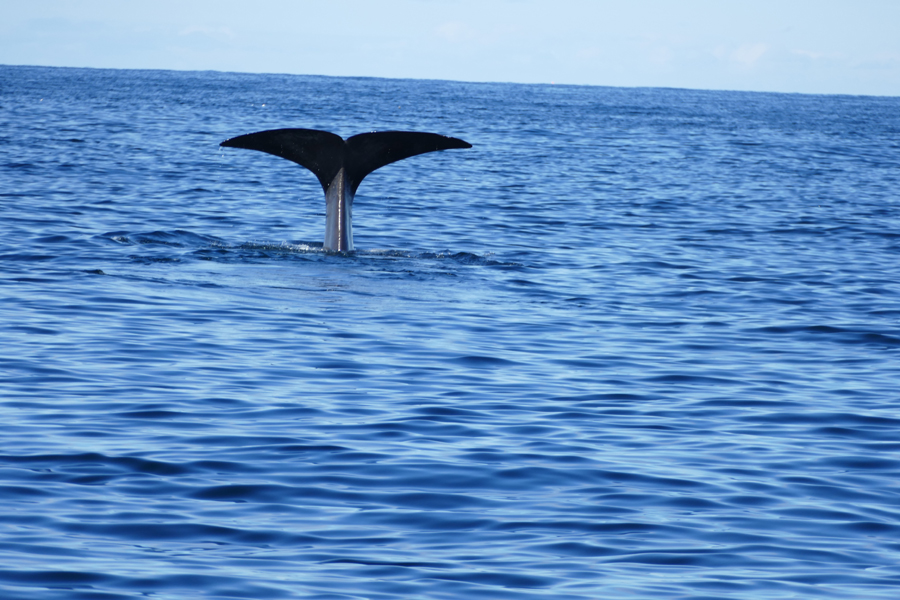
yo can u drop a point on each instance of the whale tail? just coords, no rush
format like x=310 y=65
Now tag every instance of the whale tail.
x=341 y=165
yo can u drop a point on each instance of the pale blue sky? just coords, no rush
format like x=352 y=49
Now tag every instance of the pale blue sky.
x=813 y=46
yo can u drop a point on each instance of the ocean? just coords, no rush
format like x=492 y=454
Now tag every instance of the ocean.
x=634 y=343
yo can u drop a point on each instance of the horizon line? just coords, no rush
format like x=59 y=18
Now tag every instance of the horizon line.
x=466 y=81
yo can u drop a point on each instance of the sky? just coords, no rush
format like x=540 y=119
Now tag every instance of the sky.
x=806 y=46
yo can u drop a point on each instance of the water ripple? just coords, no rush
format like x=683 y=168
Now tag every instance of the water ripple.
x=634 y=344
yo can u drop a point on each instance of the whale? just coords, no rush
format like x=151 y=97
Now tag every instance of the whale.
x=340 y=165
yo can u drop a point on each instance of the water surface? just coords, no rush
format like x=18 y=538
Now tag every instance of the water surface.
x=635 y=343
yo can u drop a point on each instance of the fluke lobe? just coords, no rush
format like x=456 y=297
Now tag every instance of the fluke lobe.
x=341 y=165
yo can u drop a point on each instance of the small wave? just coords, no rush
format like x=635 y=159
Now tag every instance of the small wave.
x=483 y=361
x=844 y=335
x=178 y=238
x=208 y=247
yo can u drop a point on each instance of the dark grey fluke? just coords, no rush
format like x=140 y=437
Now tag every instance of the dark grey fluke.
x=341 y=165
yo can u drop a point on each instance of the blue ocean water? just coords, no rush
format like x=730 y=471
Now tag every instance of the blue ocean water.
x=635 y=343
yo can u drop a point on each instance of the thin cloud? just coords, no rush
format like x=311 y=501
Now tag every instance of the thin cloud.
x=749 y=54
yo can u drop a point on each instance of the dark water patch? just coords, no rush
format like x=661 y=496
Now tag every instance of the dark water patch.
x=52 y=239
x=840 y=334
x=12 y=491
x=484 y=362
x=33 y=330
x=153 y=259
x=26 y=257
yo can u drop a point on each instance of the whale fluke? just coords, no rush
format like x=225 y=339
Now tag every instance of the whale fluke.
x=341 y=165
